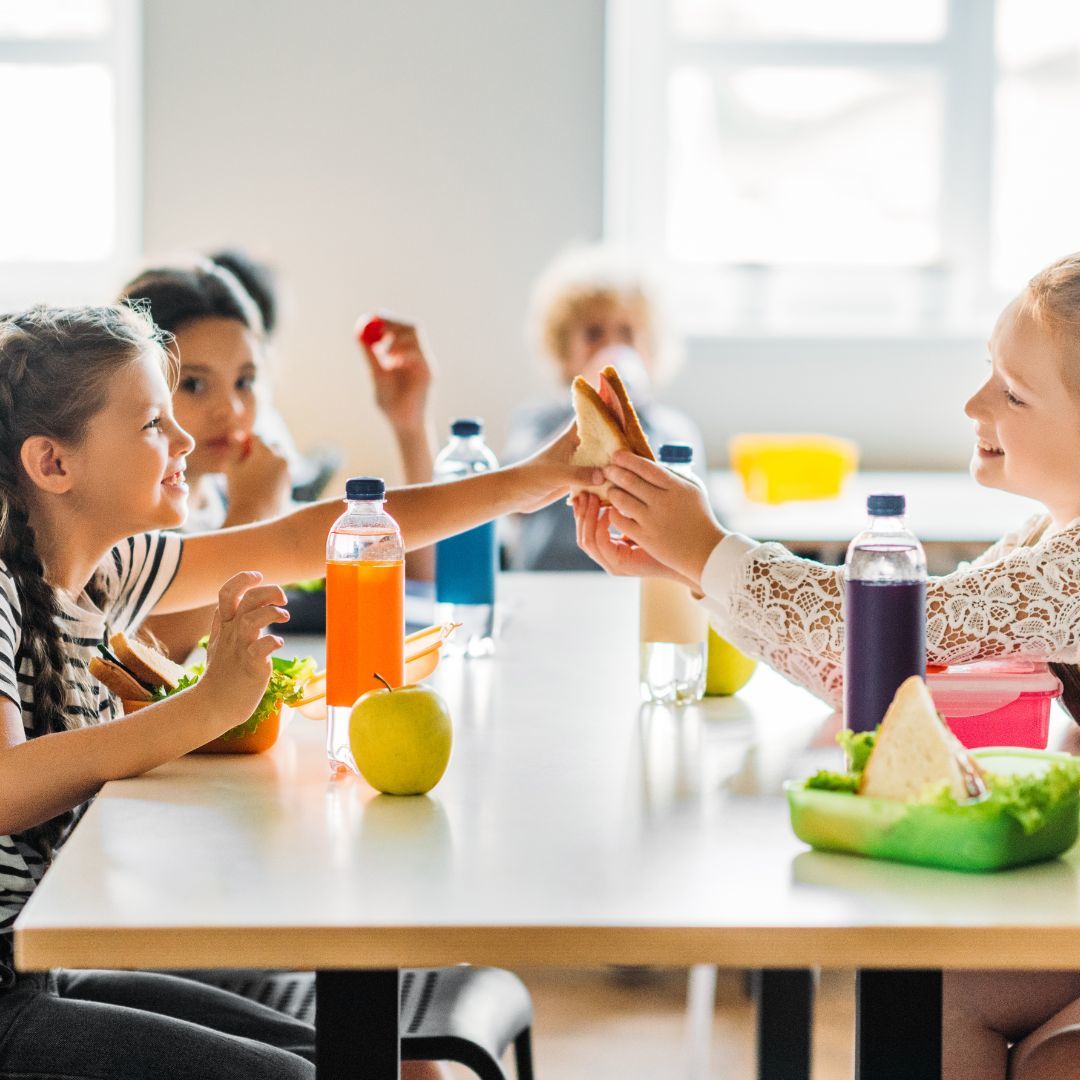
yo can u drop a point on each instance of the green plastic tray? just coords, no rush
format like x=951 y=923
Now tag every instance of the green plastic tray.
x=887 y=829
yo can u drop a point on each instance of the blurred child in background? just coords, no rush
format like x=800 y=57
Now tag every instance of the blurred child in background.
x=591 y=307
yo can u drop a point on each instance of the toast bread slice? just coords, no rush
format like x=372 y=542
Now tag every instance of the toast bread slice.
x=606 y=423
x=146 y=663
x=118 y=681
x=916 y=753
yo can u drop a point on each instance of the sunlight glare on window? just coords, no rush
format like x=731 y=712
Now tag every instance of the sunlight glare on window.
x=1036 y=212
x=804 y=165
x=822 y=20
x=57 y=187
x=54 y=18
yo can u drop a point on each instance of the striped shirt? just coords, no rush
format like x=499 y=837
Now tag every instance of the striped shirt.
x=132 y=578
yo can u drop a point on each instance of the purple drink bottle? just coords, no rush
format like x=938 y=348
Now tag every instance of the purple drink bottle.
x=884 y=613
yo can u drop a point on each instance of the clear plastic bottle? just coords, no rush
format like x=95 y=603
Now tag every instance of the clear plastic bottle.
x=674 y=627
x=884 y=612
x=466 y=564
x=365 y=608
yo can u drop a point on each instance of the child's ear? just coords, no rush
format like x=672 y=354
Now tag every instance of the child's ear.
x=44 y=461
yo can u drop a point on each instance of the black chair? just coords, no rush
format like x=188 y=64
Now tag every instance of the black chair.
x=466 y=1014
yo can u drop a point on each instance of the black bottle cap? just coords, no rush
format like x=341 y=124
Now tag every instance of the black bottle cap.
x=365 y=487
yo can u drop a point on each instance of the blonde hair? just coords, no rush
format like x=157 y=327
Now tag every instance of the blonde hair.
x=1052 y=298
x=586 y=275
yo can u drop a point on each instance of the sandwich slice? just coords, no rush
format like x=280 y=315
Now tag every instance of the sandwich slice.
x=606 y=423
x=137 y=673
x=915 y=753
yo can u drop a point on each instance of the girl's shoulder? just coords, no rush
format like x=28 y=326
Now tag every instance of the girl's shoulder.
x=135 y=574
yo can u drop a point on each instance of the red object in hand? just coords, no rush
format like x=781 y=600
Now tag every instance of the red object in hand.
x=373 y=330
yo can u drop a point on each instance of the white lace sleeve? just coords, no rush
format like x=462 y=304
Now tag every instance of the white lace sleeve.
x=788 y=611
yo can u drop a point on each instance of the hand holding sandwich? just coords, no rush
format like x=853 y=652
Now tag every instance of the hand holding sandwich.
x=665 y=515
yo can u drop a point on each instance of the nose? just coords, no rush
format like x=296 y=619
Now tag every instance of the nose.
x=974 y=408
x=181 y=443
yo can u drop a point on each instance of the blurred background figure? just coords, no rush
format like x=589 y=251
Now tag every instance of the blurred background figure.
x=591 y=307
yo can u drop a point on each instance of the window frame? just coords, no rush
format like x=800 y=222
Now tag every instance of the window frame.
x=119 y=49
x=641 y=51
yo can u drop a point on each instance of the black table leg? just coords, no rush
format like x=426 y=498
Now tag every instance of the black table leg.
x=785 y=1010
x=898 y=1025
x=356 y=1025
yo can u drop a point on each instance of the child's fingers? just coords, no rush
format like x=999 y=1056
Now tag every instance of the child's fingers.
x=232 y=592
x=630 y=481
x=260 y=595
x=256 y=621
x=265 y=646
x=627 y=526
x=649 y=471
x=629 y=506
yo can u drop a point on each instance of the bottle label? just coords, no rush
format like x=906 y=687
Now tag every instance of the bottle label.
x=465 y=567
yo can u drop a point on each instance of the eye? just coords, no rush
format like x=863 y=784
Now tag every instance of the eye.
x=192 y=384
x=626 y=333
x=153 y=424
x=593 y=332
x=1011 y=398
x=245 y=382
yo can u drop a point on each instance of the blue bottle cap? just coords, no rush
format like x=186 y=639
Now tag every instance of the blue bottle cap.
x=885 y=505
x=673 y=453
x=467 y=427
x=365 y=487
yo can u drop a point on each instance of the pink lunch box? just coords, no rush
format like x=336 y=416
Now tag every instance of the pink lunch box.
x=997 y=702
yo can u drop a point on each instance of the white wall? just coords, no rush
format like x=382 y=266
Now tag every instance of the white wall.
x=429 y=158
x=425 y=157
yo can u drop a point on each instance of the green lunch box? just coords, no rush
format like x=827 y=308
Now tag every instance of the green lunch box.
x=957 y=839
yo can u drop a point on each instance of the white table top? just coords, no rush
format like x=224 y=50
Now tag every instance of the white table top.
x=572 y=827
x=943 y=507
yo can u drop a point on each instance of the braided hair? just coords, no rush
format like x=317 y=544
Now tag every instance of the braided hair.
x=55 y=368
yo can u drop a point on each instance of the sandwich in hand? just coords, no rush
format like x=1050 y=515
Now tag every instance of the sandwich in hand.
x=606 y=423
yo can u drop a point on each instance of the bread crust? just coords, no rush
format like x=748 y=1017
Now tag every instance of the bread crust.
x=118 y=681
x=633 y=432
x=147 y=664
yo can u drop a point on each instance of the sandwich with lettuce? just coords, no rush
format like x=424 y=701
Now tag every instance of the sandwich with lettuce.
x=140 y=675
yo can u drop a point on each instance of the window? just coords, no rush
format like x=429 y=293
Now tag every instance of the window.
x=843 y=167
x=69 y=187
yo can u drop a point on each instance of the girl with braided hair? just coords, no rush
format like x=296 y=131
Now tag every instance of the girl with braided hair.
x=91 y=482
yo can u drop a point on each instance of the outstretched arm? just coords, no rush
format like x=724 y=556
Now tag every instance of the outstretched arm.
x=293 y=547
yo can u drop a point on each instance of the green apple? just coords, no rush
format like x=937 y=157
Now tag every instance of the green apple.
x=728 y=669
x=401 y=739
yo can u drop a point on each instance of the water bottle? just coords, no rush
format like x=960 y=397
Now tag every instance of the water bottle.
x=674 y=627
x=884 y=613
x=465 y=564
x=365 y=608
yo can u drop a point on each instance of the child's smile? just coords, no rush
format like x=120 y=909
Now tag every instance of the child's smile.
x=1027 y=419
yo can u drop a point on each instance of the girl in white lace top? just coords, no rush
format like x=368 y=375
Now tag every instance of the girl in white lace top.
x=1021 y=597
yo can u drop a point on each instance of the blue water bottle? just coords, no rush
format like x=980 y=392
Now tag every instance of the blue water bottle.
x=465 y=564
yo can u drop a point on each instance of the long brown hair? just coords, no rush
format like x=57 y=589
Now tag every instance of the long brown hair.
x=56 y=365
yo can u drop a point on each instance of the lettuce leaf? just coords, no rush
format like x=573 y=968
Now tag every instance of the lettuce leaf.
x=286 y=687
x=857 y=746
x=1027 y=798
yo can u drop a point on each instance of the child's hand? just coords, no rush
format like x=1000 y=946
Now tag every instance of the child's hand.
x=621 y=557
x=667 y=515
x=259 y=483
x=547 y=475
x=238 y=653
x=401 y=371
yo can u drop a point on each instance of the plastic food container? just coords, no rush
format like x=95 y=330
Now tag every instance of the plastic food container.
x=782 y=468
x=996 y=702
x=953 y=840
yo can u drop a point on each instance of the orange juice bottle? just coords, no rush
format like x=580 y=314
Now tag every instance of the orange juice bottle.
x=365 y=608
